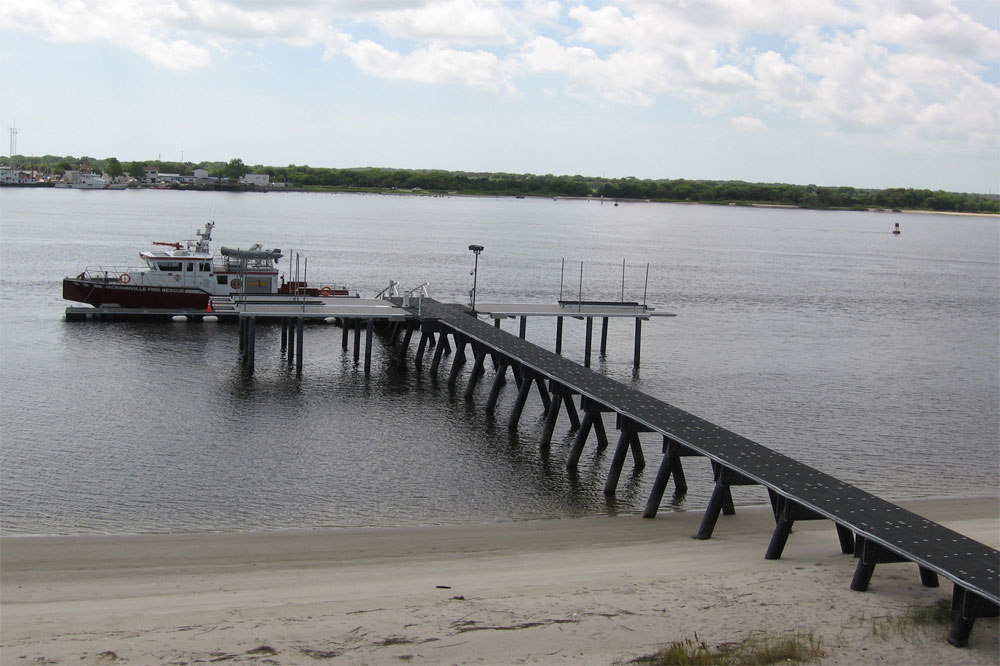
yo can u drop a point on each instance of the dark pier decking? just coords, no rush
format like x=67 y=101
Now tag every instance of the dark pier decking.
x=874 y=530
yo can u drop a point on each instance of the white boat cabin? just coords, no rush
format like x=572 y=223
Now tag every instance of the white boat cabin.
x=192 y=265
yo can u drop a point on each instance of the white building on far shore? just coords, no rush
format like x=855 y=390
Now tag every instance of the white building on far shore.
x=256 y=179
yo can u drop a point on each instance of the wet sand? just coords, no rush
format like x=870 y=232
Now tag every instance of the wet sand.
x=597 y=590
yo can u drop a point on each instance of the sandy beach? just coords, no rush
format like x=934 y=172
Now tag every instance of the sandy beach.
x=597 y=590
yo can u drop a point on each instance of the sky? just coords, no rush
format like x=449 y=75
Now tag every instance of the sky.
x=894 y=93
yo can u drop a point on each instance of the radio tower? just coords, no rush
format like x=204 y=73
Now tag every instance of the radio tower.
x=13 y=143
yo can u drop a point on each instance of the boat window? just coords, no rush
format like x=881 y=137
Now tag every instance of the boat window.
x=169 y=265
x=190 y=267
x=221 y=279
x=205 y=266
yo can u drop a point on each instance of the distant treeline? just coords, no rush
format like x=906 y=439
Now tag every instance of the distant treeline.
x=508 y=184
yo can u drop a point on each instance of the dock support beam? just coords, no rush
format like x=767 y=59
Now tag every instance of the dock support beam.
x=300 y=324
x=291 y=344
x=870 y=553
x=498 y=381
x=406 y=340
x=479 y=354
x=588 y=344
x=560 y=396
x=604 y=336
x=670 y=466
x=425 y=337
x=637 y=353
x=592 y=420
x=356 y=323
x=629 y=439
x=786 y=512
x=438 y=351
x=527 y=380
x=559 y=334
x=722 y=499
x=459 y=360
x=370 y=326
x=968 y=606
x=248 y=342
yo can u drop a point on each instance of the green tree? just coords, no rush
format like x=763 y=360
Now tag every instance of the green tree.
x=115 y=168
x=235 y=169
x=137 y=170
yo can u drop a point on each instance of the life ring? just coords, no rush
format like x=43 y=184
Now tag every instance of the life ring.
x=125 y=278
x=326 y=291
x=235 y=283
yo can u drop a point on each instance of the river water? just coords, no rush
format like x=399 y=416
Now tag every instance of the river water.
x=870 y=356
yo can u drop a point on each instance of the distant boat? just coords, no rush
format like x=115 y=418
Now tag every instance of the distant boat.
x=17 y=178
x=88 y=181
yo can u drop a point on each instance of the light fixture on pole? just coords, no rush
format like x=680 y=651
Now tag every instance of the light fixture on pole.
x=476 y=249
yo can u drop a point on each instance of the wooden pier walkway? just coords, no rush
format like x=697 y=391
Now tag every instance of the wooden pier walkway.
x=874 y=530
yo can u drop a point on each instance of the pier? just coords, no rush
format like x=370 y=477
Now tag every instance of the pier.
x=872 y=530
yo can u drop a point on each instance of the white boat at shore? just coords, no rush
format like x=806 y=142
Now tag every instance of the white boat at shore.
x=88 y=181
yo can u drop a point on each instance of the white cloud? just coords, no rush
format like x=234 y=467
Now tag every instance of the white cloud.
x=454 y=20
x=548 y=10
x=747 y=124
x=477 y=69
x=138 y=28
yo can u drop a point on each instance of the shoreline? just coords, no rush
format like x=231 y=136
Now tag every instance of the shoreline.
x=575 y=590
x=6 y=536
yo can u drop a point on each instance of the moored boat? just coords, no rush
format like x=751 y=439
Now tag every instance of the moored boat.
x=88 y=181
x=187 y=275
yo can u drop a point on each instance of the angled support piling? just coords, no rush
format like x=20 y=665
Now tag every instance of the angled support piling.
x=786 y=512
x=592 y=420
x=870 y=553
x=403 y=348
x=479 y=351
x=527 y=381
x=418 y=360
x=498 y=381
x=459 y=360
x=722 y=499
x=670 y=466
x=438 y=352
x=627 y=440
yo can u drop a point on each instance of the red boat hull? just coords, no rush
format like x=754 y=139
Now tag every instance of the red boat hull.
x=127 y=296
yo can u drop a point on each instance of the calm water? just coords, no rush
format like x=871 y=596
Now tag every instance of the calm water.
x=874 y=358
